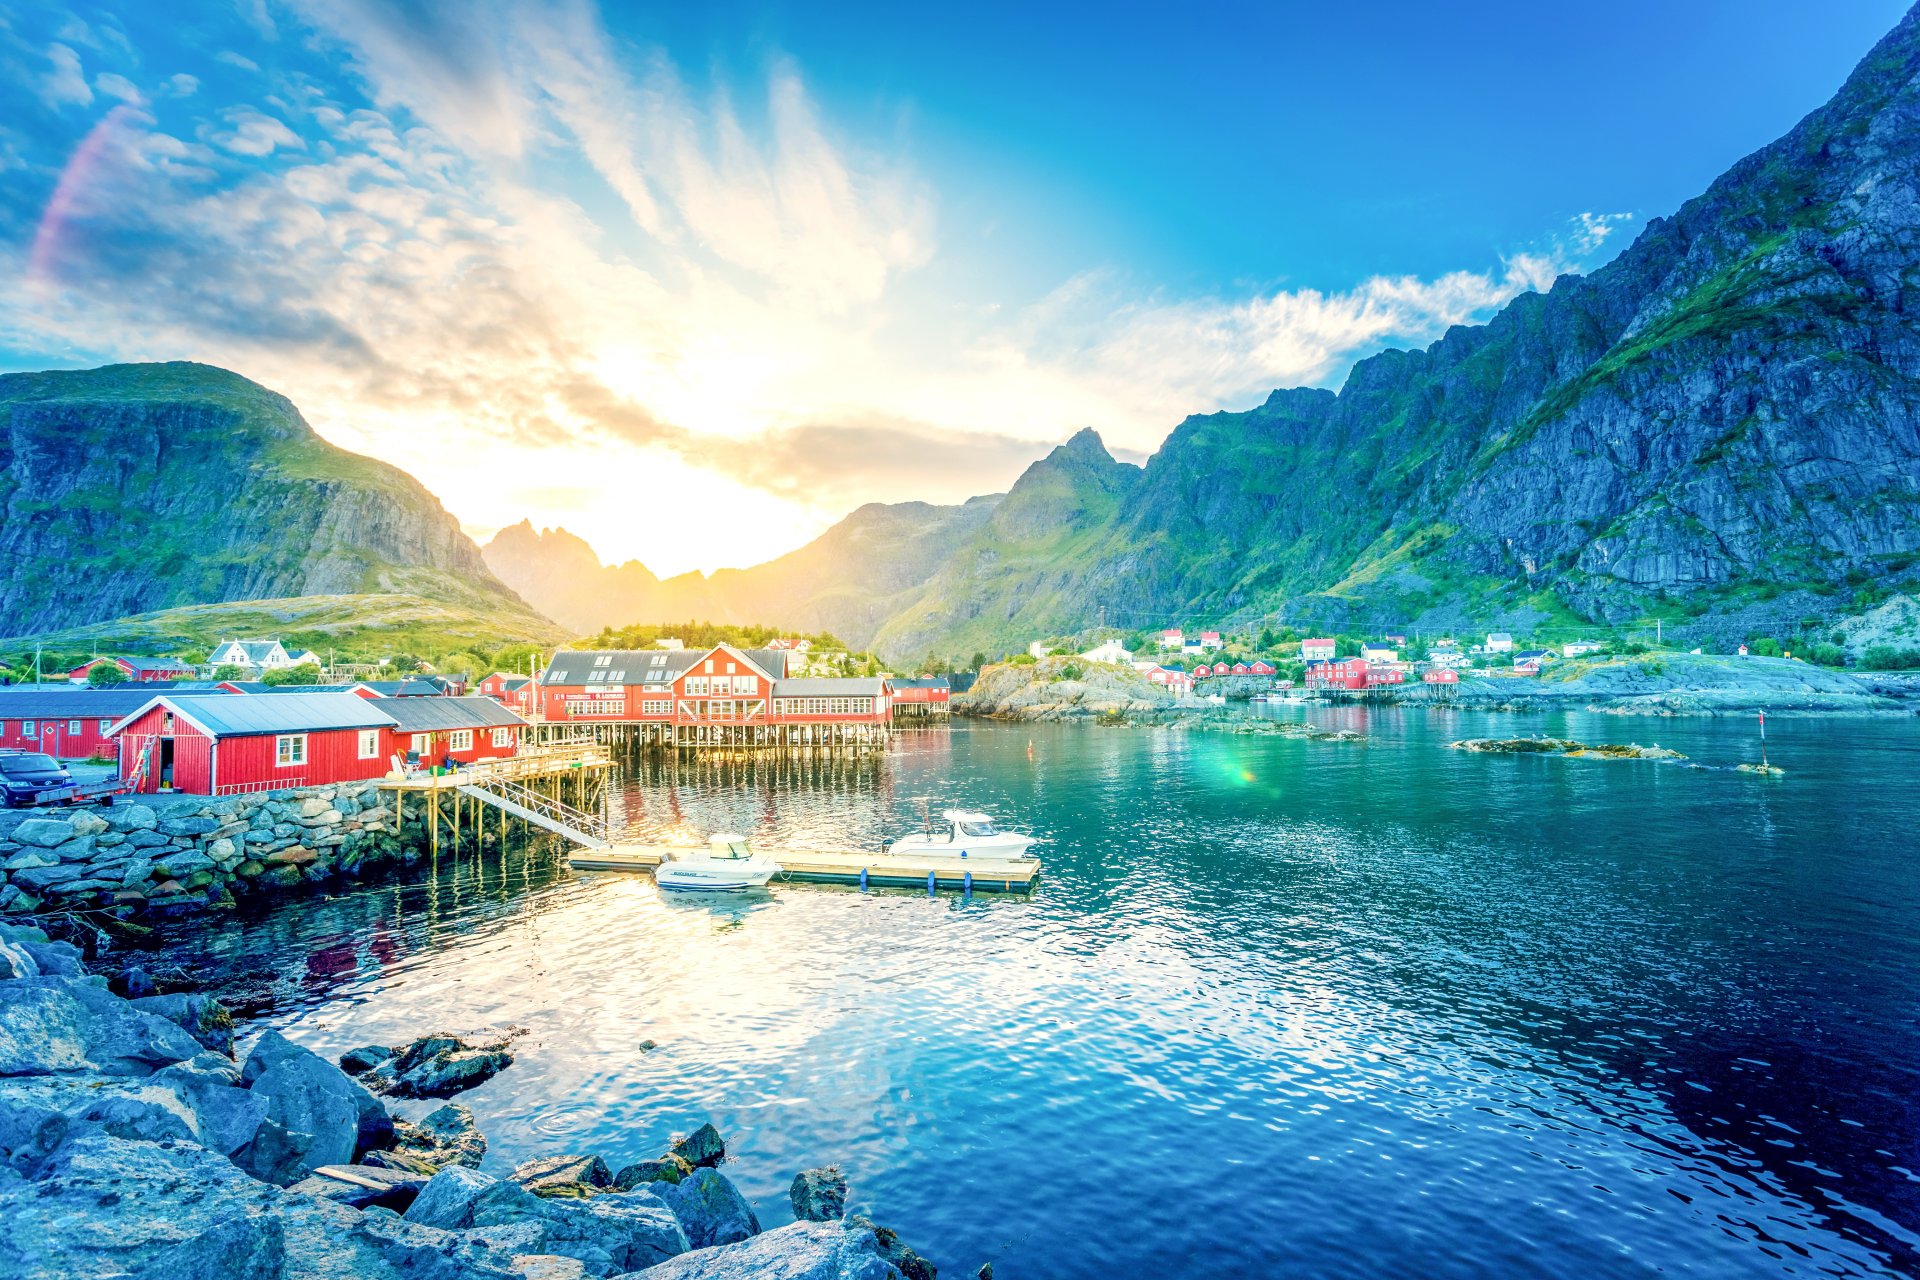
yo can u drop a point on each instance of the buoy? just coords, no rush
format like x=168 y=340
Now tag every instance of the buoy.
x=863 y=879
x=966 y=883
x=930 y=884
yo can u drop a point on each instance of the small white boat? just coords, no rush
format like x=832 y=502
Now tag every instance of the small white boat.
x=961 y=833
x=726 y=863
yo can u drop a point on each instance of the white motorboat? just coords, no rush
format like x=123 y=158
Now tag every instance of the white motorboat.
x=726 y=863
x=962 y=833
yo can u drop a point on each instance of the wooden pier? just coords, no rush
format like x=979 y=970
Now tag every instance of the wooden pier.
x=560 y=788
x=716 y=736
x=836 y=866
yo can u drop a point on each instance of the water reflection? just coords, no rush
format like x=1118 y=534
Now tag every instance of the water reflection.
x=1368 y=1008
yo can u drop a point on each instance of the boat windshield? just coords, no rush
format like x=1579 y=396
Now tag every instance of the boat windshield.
x=977 y=829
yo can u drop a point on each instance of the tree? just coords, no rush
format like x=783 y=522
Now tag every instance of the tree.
x=514 y=658
x=305 y=673
x=462 y=663
x=104 y=673
x=405 y=663
x=1267 y=639
x=228 y=671
x=979 y=659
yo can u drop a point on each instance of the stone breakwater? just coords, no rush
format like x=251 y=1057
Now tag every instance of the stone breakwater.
x=134 y=1144
x=181 y=854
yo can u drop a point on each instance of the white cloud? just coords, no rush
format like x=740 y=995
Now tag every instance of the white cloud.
x=181 y=85
x=252 y=133
x=1595 y=228
x=65 y=85
x=117 y=86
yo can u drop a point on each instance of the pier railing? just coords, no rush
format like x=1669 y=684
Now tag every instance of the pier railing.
x=542 y=810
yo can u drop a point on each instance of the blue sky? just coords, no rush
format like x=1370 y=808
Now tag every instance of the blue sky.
x=619 y=267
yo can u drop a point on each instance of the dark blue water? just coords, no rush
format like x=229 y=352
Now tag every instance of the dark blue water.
x=1281 y=1007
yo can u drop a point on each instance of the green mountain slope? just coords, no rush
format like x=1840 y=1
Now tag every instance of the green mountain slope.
x=135 y=488
x=1722 y=424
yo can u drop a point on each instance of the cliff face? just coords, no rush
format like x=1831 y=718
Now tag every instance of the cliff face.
x=1728 y=412
x=134 y=488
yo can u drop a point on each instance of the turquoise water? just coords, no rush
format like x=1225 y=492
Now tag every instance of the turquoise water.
x=1280 y=1007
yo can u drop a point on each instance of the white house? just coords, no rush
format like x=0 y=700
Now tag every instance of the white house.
x=305 y=658
x=266 y=655
x=1172 y=639
x=1317 y=650
x=1499 y=642
x=1211 y=640
x=1111 y=651
x=1451 y=659
x=1574 y=648
x=1179 y=683
x=1378 y=654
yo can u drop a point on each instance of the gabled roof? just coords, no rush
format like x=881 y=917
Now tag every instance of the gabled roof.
x=918 y=682
x=1499 y=635
x=436 y=715
x=261 y=686
x=256 y=651
x=650 y=666
x=512 y=682
x=73 y=702
x=222 y=715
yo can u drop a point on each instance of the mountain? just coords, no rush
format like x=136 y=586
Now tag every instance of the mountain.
x=848 y=580
x=1722 y=424
x=143 y=487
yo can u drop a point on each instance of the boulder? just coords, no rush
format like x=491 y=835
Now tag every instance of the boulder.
x=702 y=1148
x=709 y=1208
x=200 y=1016
x=70 y=1024
x=226 y=1116
x=16 y=961
x=443 y=1064
x=187 y=826
x=316 y=1115
x=58 y=959
x=32 y=856
x=798 y=1251
x=39 y=1114
x=894 y=1250
x=87 y=824
x=44 y=832
x=549 y=1266
x=178 y=866
x=640 y=1172
x=446 y=1136
x=357 y=1062
x=819 y=1195
x=609 y=1233
x=146 y=840
x=563 y=1175
x=132 y=817
x=42 y=879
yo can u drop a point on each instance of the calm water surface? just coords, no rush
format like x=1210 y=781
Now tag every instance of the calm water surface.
x=1280 y=1007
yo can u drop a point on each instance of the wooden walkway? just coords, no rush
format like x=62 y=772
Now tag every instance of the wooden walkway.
x=561 y=788
x=837 y=866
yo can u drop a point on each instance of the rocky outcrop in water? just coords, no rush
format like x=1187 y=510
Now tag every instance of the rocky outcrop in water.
x=139 y=487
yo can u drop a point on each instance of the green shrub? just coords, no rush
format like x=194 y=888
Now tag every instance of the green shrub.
x=1827 y=655
x=1765 y=647
x=1884 y=657
x=1070 y=672
x=104 y=674
x=1021 y=660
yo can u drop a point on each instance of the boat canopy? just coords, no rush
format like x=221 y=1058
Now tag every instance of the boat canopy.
x=970 y=823
x=726 y=844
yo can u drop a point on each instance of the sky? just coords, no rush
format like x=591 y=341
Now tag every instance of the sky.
x=695 y=280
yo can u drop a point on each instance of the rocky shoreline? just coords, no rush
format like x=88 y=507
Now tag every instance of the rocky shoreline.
x=134 y=1144
x=189 y=853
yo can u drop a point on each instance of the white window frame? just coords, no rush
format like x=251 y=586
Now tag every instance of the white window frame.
x=503 y=737
x=74 y=727
x=656 y=707
x=460 y=740
x=29 y=728
x=289 y=750
x=369 y=744
x=105 y=725
x=604 y=660
x=696 y=686
x=421 y=743
x=745 y=684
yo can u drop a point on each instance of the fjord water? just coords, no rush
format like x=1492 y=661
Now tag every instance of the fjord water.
x=1279 y=1008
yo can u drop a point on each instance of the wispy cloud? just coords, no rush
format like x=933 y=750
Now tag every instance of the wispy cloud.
x=544 y=274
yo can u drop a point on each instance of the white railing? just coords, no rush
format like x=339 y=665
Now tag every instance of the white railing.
x=542 y=810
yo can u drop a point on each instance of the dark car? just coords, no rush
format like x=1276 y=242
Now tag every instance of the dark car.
x=27 y=778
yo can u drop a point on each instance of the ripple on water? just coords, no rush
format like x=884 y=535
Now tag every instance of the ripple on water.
x=1373 y=1009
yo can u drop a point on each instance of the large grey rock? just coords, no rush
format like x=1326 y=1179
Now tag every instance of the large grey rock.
x=798 y=1251
x=562 y=1175
x=32 y=856
x=86 y=823
x=227 y=1116
x=819 y=1195
x=132 y=817
x=187 y=826
x=178 y=866
x=443 y=1064
x=70 y=1024
x=668 y=1168
x=316 y=1115
x=609 y=1233
x=146 y=840
x=447 y=1135
x=702 y=1148
x=200 y=1016
x=44 y=832
x=39 y=1114
x=710 y=1209
x=175 y=1211
x=43 y=879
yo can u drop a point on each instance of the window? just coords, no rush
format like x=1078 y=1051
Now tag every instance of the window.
x=709 y=667
x=720 y=709
x=503 y=737
x=731 y=668
x=289 y=749
x=73 y=727
x=369 y=744
x=105 y=725
x=28 y=728
x=656 y=707
x=744 y=684
x=422 y=743
x=604 y=660
x=696 y=686
x=460 y=740
x=657 y=660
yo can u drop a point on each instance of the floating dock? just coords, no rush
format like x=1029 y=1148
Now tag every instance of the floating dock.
x=836 y=866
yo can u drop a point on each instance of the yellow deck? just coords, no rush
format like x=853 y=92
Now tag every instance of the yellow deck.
x=835 y=866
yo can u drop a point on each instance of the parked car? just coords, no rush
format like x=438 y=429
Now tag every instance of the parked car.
x=30 y=778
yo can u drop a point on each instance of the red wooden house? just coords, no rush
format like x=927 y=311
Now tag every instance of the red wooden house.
x=1351 y=673
x=521 y=693
x=464 y=730
x=138 y=670
x=1260 y=667
x=690 y=687
x=222 y=744
x=65 y=722
x=1440 y=675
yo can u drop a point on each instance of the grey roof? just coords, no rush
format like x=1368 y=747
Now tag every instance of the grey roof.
x=433 y=715
x=261 y=686
x=645 y=666
x=830 y=687
x=918 y=682
x=512 y=682
x=256 y=651
x=225 y=716
x=150 y=664
x=75 y=702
